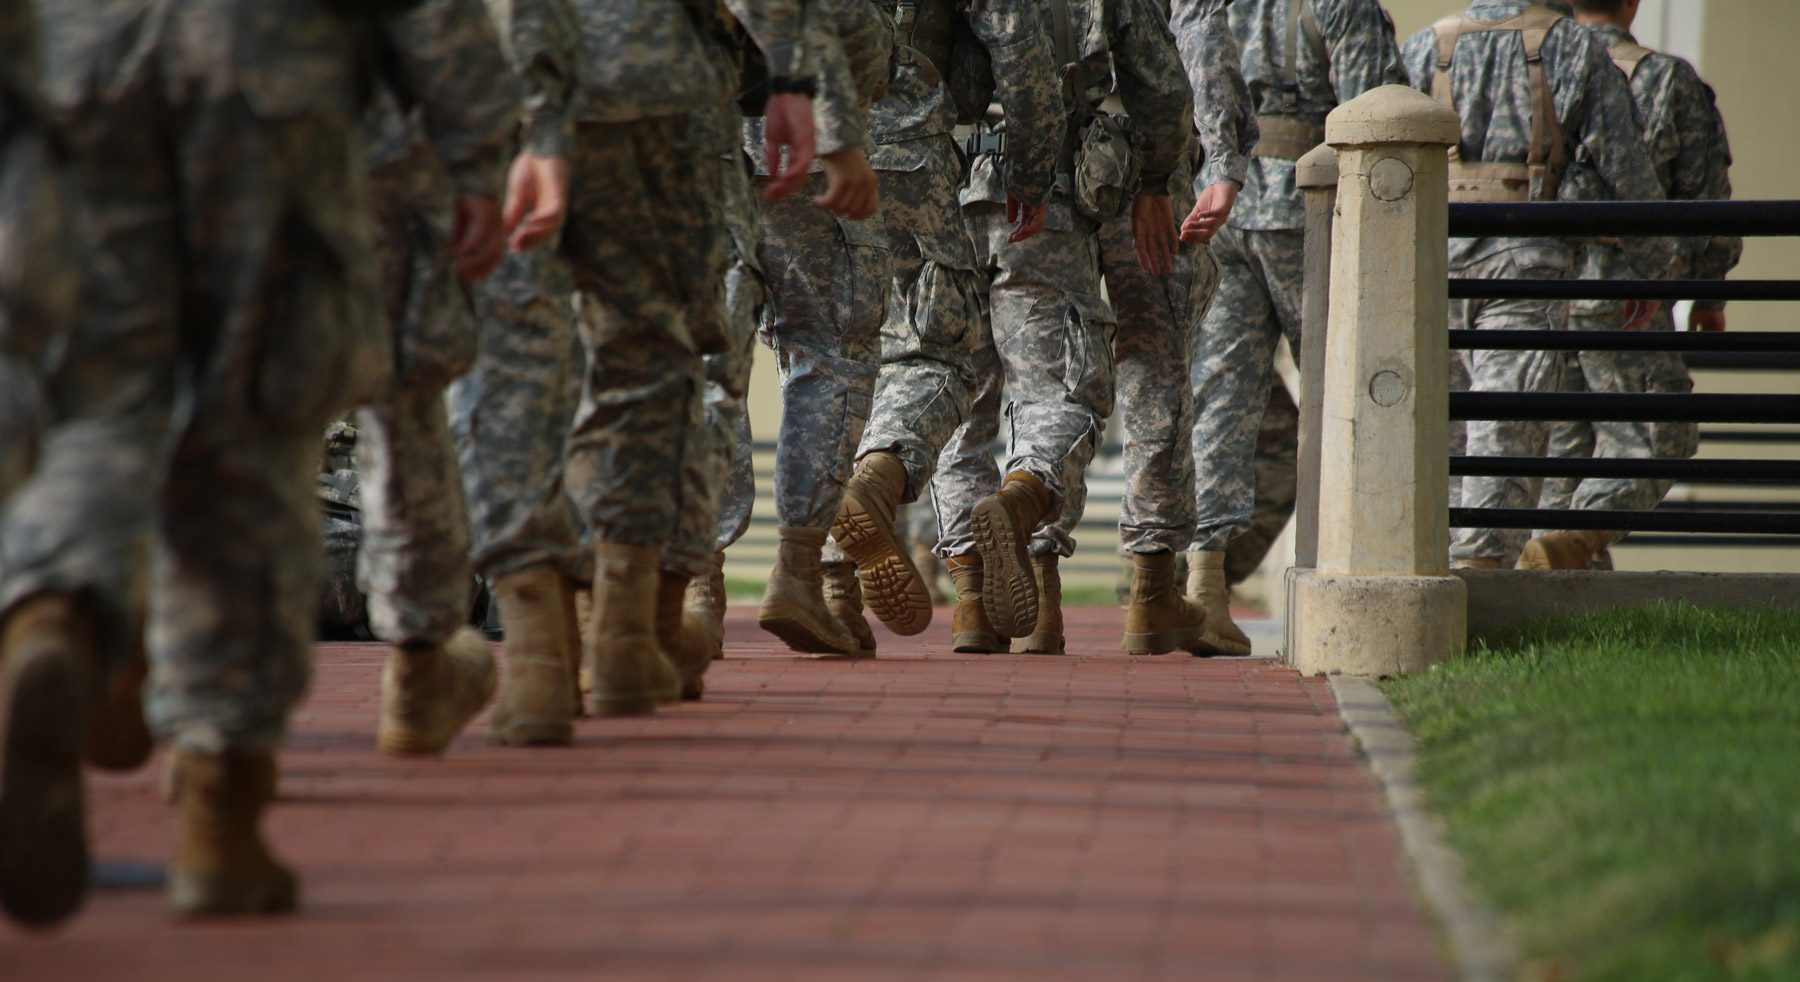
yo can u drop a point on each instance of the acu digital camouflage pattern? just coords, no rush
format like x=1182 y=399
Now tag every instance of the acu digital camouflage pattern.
x=1685 y=137
x=1606 y=156
x=1223 y=117
x=264 y=92
x=1260 y=253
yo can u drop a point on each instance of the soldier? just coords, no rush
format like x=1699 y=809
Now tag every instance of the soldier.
x=646 y=247
x=439 y=130
x=234 y=277
x=1545 y=114
x=1302 y=58
x=933 y=324
x=1685 y=137
x=1053 y=337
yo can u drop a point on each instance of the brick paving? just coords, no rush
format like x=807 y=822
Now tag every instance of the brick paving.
x=925 y=815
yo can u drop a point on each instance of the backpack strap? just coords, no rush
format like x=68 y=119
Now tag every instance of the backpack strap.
x=1628 y=55
x=1301 y=21
x=1547 y=156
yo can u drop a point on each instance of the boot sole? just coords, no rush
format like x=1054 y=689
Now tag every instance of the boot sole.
x=198 y=896
x=1209 y=643
x=1009 y=587
x=1162 y=642
x=800 y=632
x=860 y=654
x=892 y=586
x=623 y=706
x=977 y=643
x=43 y=837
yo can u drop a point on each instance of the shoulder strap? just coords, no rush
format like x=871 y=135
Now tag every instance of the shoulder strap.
x=1628 y=55
x=1549 y=150
x=1301 y=21
x=1068 y=57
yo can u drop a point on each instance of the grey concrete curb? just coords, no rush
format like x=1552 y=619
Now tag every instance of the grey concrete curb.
x=1478 y=943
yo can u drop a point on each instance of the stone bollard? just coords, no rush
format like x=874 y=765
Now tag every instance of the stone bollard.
x=1381 y=600
x=1317 y=176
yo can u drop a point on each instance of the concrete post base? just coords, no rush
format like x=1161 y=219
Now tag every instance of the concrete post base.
x=1374 y=625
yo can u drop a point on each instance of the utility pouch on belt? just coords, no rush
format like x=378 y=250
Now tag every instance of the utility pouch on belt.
x=1103 y=167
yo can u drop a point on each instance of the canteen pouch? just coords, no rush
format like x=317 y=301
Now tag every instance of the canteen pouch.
x=1105 y=168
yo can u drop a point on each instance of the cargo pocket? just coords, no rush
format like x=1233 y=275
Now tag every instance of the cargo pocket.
x=859 y=282
x=437 y=331
x=1088 y=331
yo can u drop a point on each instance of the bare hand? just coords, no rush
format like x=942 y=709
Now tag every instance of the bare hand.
x=1706 y=319
x=537 y=199
x=787 y=123
x=1639 y=312
x=851 y=189
x=1153 y=229
x=478 y=242
x=1027 y=220
x=1210 y=212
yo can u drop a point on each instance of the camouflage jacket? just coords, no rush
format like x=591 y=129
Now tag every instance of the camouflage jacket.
x=40 y=255
x=602 y=61
x=1357 y=39
x=449 y=83
x=1685 y=137
x=918 y=110
x=1491 y=88
x=851 y=45
x=1223 y=114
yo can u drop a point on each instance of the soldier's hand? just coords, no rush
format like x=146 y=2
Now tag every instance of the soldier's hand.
x=1210 y=212
x=537 y=199
x=787 y=122
x=1706 y=319
x=478 y=242
x=1027 y=220
x=851 y=188
x=1639 y=312
x=1153 y=229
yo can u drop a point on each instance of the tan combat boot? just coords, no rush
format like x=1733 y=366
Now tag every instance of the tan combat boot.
x=571 y=609
x=221 y=864
x=118 y=738
x=970 y=631
x=1476 y=562
x=47 y=661
x=1047 y=637
x=536 y=706
x=793 y=605
x=926 y=562
x=844 y=599
x=706 y=601
x=865 y=530
x=1564 y=550
x=1003 y=523
x=684 y=636
x=1206 y=587
x=632 y=674
x=584 y=632
x=430 y=692
x=1160 y=619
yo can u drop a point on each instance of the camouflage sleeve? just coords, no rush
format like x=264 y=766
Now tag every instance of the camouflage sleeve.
x=1223 y=114
x=1364 y=56
x=1154 y=90
x=1016 y=34
x=451 y=65
x=838 y=118
x=542 y=38
x=867 y=33
x=1600 y=124
x=1686 y=136
x=778 y=27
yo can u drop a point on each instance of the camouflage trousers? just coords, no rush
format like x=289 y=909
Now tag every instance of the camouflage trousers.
x=727 y=427
x=1276 y=472
x=259 y=328
x=647 y=251
x=1258 y=303
x=934 y=320
x=1619 y=372
x=1503 y=371
x=414 y=560
x=1052 y=348
x=511 y=414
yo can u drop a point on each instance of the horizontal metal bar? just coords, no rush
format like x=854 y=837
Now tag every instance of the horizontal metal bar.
x=1589 y=218
x=1463 y=339
x=1612 y=407
x=1727 y=523
x=1722 y=361
x=1711 y=541
x=1750 y=436
x=1693 y=471
x=1668 y=290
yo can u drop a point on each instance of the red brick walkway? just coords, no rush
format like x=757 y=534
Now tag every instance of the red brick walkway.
x=920 y=816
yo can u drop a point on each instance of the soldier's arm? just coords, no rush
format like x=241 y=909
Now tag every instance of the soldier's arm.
x=1155 y=92
x=1223 y=115
x=867 y=34
x=1017 y=36
x=1600 y=123
x=543 y=38
x=1700 y=166
x=779 y=28
x=1359 y=34
x=452 y=66
x=850 y=44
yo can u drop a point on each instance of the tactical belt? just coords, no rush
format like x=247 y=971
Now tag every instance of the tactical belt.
x=1287 y=137
x=985 y=144
x=1548 y=152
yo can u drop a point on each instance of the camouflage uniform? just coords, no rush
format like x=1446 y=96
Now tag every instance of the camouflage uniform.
x=440 y=130
x=343 y=608
x=1594 y=112
x=1053 y=331
x=1275 y=471
x=934 y=322
x=234 y=276
x=1338 y=49
x=1692 y=157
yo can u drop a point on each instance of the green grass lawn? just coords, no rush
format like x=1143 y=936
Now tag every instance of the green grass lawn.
x=1626 y=789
